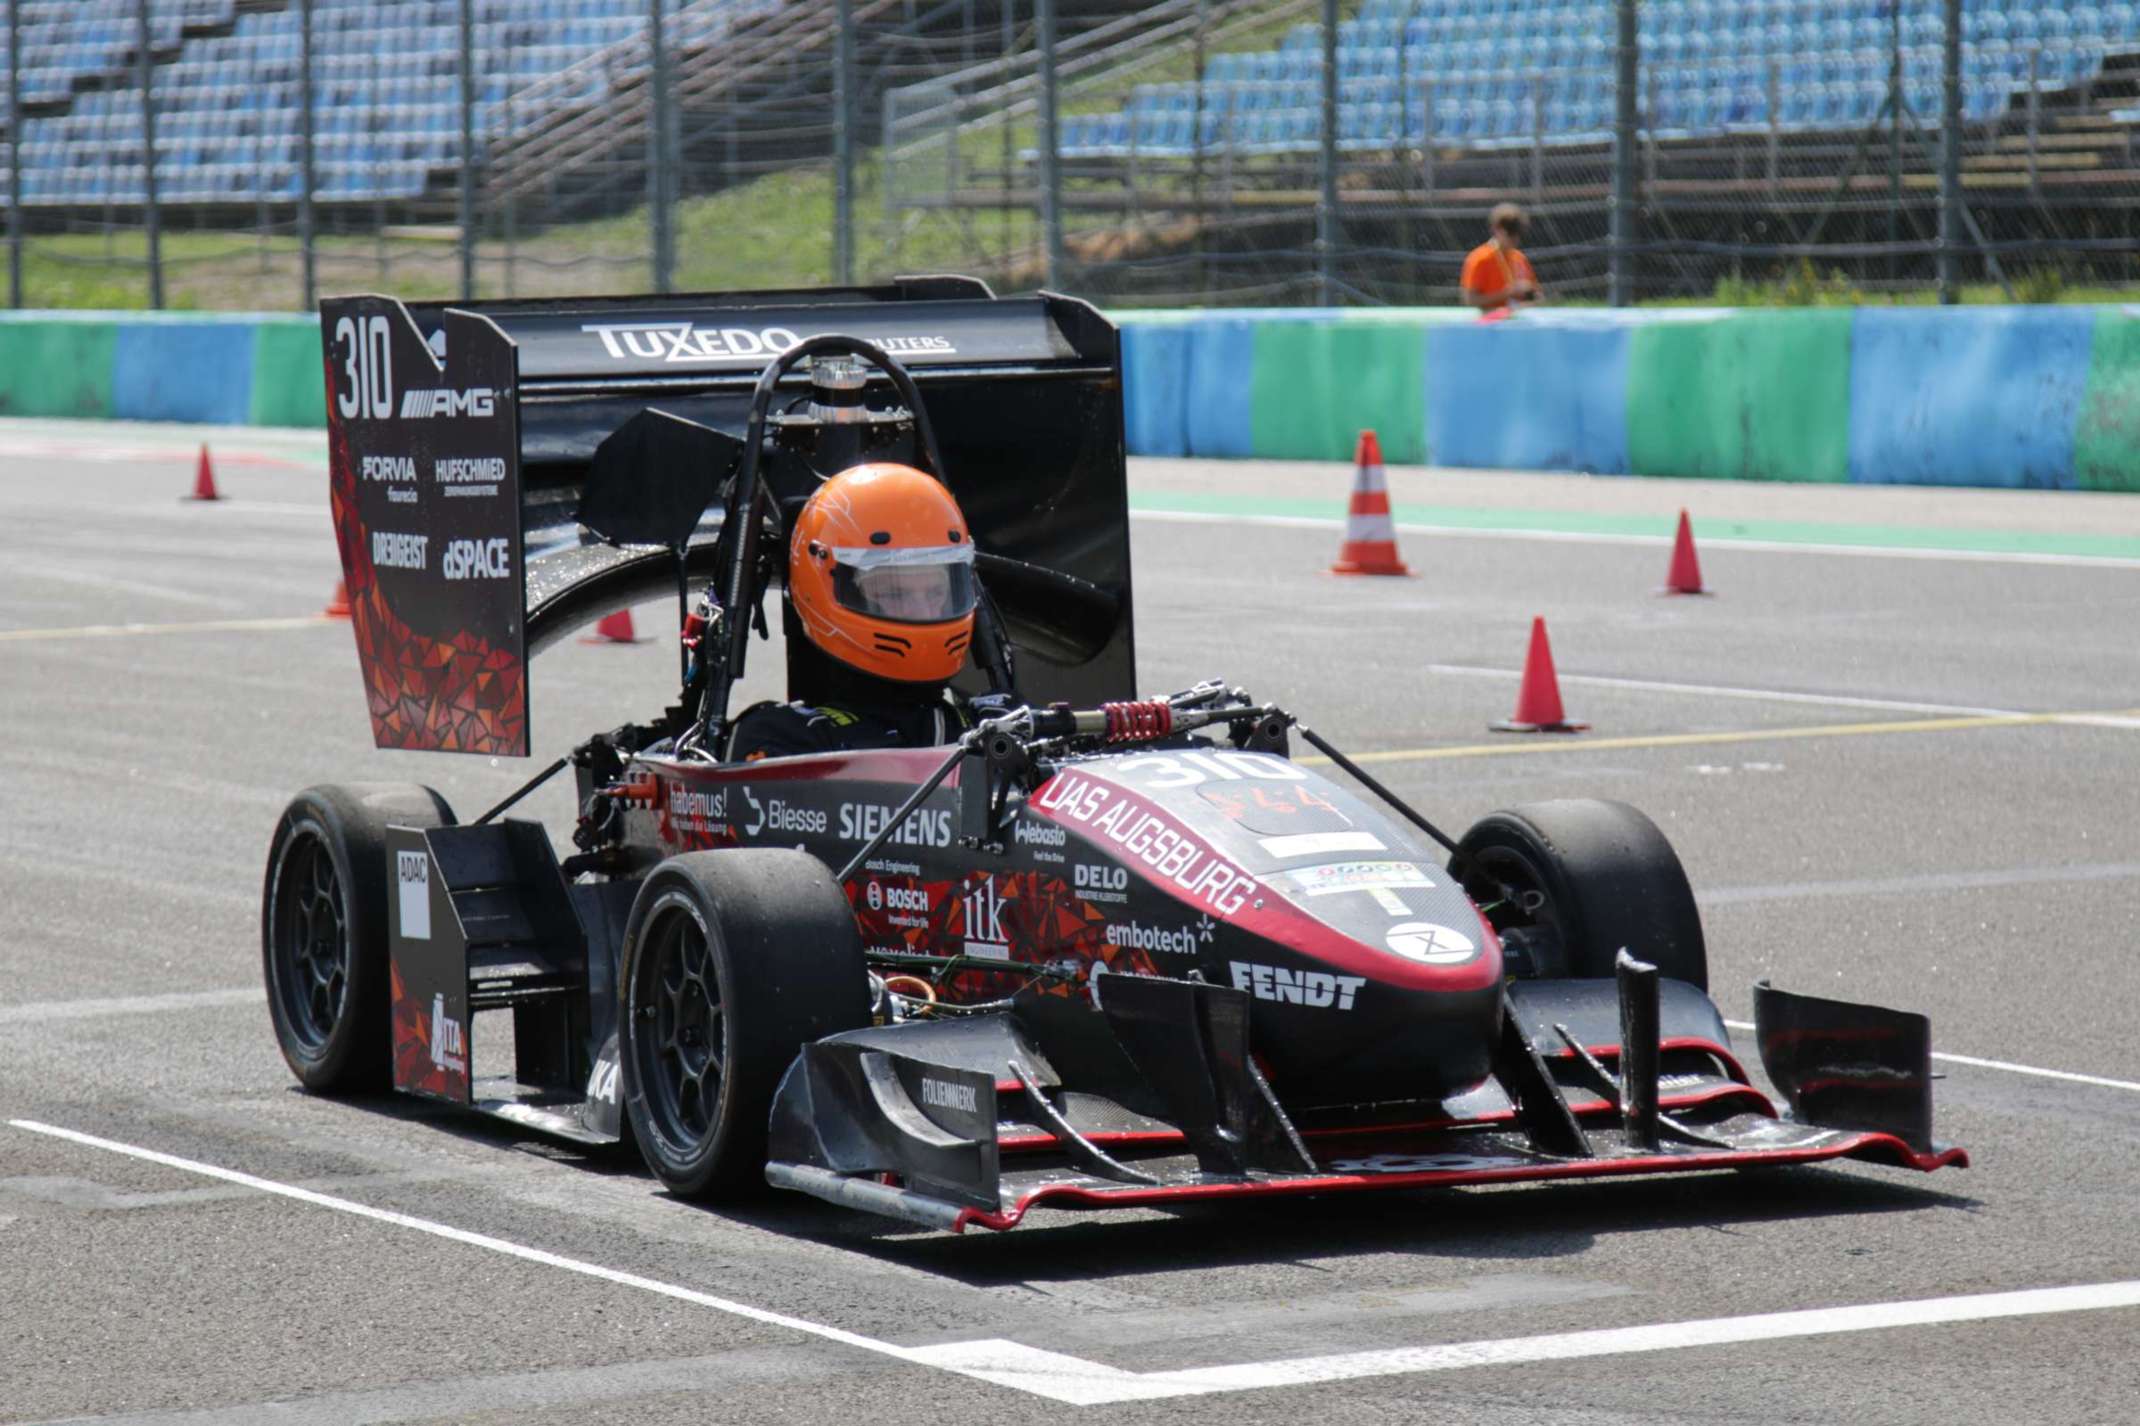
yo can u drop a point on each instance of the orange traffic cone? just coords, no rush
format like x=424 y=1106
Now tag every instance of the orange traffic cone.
x=1538 y=707
x=1686 y=574
x=338 y=604
x=204 y=479
x=1370 y=538
x=616 y=629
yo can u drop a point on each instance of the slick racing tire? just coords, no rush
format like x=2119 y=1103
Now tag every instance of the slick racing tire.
x=1592 y=876
x=732 y=962
x=323 y=929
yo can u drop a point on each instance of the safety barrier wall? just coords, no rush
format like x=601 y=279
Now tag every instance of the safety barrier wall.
x=225 y=369
x=2044 y=397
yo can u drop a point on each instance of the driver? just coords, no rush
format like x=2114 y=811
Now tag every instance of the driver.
x=880 y=581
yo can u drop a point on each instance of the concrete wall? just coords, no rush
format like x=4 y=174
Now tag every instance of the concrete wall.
x=2044 y=397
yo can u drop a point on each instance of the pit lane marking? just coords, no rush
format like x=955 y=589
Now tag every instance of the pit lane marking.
x=1973 y=1062
x=1078 y=1382
x=204 y=626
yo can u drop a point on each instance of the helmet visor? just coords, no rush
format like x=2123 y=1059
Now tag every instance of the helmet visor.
x=932 y=585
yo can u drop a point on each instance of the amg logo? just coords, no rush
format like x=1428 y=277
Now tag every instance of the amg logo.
x=1314 y=988
x=477 y=559
x=392 y=551
x=944 y=1094
x=449 y=1045
x=1039 y=834
x=421 y=405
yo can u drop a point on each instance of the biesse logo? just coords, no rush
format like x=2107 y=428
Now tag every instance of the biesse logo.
x=419 y=404
x=1318 y=989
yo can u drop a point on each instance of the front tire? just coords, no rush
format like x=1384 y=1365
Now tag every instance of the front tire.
x=323 y=929
x=1590 y=877
x=732 y=962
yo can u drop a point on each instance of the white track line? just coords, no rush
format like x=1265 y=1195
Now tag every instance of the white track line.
x=204 y=626
x=1971 y=1060
x=1581 y=537
x=43 y=1010
x=1766 y=695
x=1085 y=1383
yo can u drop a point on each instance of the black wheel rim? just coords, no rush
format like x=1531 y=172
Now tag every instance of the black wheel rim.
x=682 y=1036
x=311 y=941
x=1513 y=892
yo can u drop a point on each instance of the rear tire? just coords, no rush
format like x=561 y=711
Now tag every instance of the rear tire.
x=323 y=929
x=732 y=962
x=1601 y=876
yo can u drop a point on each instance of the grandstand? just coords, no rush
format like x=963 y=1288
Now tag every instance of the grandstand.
x=1468 y=73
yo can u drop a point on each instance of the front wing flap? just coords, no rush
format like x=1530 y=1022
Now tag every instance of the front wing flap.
x=1153 y=1099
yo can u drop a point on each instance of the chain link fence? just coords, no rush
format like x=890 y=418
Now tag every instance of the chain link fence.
x=255 y=153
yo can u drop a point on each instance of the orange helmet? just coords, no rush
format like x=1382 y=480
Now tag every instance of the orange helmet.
x=880 y=572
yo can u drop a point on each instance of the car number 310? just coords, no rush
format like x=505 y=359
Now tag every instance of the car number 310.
x=1190 y=769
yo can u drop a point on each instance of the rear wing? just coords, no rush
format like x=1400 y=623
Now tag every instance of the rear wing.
x=461 y=436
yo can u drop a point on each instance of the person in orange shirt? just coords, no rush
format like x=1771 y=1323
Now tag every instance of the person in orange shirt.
x=1497 y=276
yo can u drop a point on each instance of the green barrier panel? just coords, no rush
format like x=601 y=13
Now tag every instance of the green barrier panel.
x=1753 y=396
x=57 y=367
x=2106 y=438
x=1318 y=383
x=289 y=375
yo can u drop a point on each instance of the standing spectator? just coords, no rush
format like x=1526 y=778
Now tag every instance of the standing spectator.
x=1497 y=276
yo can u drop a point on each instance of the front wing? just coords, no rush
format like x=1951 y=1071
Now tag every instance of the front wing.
x=1154 y=1098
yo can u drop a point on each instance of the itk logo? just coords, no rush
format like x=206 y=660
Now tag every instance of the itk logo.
x=449 y=1044
x=983 y=909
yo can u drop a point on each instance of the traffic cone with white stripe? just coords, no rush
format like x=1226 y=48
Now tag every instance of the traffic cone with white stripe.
x=1538 y=707
x=1370 y=536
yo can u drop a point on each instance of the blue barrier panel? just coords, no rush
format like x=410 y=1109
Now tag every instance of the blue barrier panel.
x=183 y=370
x=1968 y=396
x=1529 y=394
x=1220 y=383
x=1155 y=361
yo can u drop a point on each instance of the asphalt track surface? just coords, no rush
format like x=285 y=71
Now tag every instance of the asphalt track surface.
x=1895 y=773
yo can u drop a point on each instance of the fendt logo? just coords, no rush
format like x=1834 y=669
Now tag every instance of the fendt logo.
x=1319 y=989
x=420 y=404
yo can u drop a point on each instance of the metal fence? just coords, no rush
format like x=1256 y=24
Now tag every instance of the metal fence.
x=254 y=153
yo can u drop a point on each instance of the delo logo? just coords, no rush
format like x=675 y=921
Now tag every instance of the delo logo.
x=421 y=405
x=477 y=559
x=1100 y=878
x=1315 y=988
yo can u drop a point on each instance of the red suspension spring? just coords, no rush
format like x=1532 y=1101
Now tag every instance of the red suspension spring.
x=1138 y=722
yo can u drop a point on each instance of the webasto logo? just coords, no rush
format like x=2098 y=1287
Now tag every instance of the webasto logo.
x=1039 y=834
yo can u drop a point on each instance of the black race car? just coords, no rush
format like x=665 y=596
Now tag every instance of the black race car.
x=1102 y=950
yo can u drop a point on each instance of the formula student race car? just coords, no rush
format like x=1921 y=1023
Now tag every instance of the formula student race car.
x=1102 y=950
